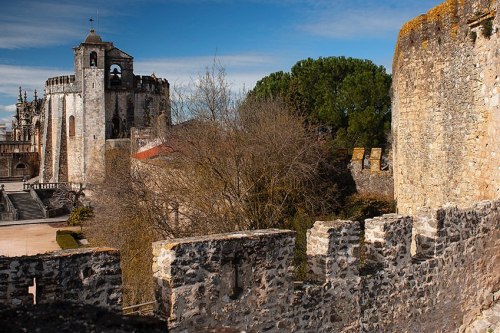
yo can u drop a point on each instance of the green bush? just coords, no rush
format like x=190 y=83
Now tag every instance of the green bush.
x=66 y=239
x=80 y=214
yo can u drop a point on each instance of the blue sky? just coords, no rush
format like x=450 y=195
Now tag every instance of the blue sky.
x=177 y=39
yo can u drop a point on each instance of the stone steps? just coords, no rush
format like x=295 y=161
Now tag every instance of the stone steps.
x=26 y=206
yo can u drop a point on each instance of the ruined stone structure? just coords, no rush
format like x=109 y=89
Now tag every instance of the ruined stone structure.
x=84 y=276
x=446 y=106
x=245 y=280
x=374 y=177
x=101 y=102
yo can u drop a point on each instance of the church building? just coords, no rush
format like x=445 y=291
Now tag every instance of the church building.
x=83 y=113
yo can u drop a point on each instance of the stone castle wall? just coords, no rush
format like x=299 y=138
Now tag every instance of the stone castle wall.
x=408 y=282
x=372 y=180
x=83 y=276
x=446 y=107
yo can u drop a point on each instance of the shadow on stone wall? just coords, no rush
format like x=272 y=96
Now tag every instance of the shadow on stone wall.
x=84 y=276
x=372 y=172
x=245 y=280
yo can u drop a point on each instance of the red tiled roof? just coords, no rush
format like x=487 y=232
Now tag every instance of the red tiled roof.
x=153 y=152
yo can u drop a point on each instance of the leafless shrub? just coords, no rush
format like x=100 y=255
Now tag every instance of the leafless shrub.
x=235 y=165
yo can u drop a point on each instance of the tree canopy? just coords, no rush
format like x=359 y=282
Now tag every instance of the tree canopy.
x=348 y=97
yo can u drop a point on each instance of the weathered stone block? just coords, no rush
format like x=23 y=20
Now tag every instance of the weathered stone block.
x=88 y=276
x=333 y=250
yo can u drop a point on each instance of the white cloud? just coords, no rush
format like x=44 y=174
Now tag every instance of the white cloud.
x=353 y=19
x=8 y=108
x=355 y=24
x=29 y=78
x=242 y=71
x=28 y=23
x=7 y=121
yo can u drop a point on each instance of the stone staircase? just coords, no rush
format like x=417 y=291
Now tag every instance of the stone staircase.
x=26 y=206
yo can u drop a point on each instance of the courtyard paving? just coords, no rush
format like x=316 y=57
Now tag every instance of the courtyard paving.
x=29 y=239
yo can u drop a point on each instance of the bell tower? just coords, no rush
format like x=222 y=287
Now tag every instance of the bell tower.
x=89 y=122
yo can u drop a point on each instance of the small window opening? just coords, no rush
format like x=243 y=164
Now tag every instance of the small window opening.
x=72 y=126
x=93 y=59
x=21 y=166
x=32 y=290
x=237 y=288
x=115 y=75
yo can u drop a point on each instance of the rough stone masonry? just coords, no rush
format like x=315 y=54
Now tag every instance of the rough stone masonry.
x=85 y=276
x=245 y=280
x=446 y=106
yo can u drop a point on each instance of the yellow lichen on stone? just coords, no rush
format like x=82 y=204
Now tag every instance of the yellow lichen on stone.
x=449 y=7
x=424 y=44
x=446 y=8
x=170 y=246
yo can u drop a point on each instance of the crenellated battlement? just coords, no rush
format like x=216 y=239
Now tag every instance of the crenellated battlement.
x=333 y=250
x=151 y=83
x=372 y=160
x=451 y=22
x=245 y=280
x=388 y=241
x=371 y=171
x=60 y=80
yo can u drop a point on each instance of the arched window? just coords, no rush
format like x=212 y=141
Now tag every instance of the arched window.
x=21 y=166
x=115 y=75
x=93 y=59
x=71 y=126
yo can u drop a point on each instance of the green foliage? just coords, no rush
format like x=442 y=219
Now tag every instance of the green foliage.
x=66 y=239
x=300 y=223
x=275 y=85
x=487 y=28
x=349 y=96
x=80 y=214
x=360 y=207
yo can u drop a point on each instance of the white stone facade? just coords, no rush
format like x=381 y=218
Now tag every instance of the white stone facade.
x=102 y=101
